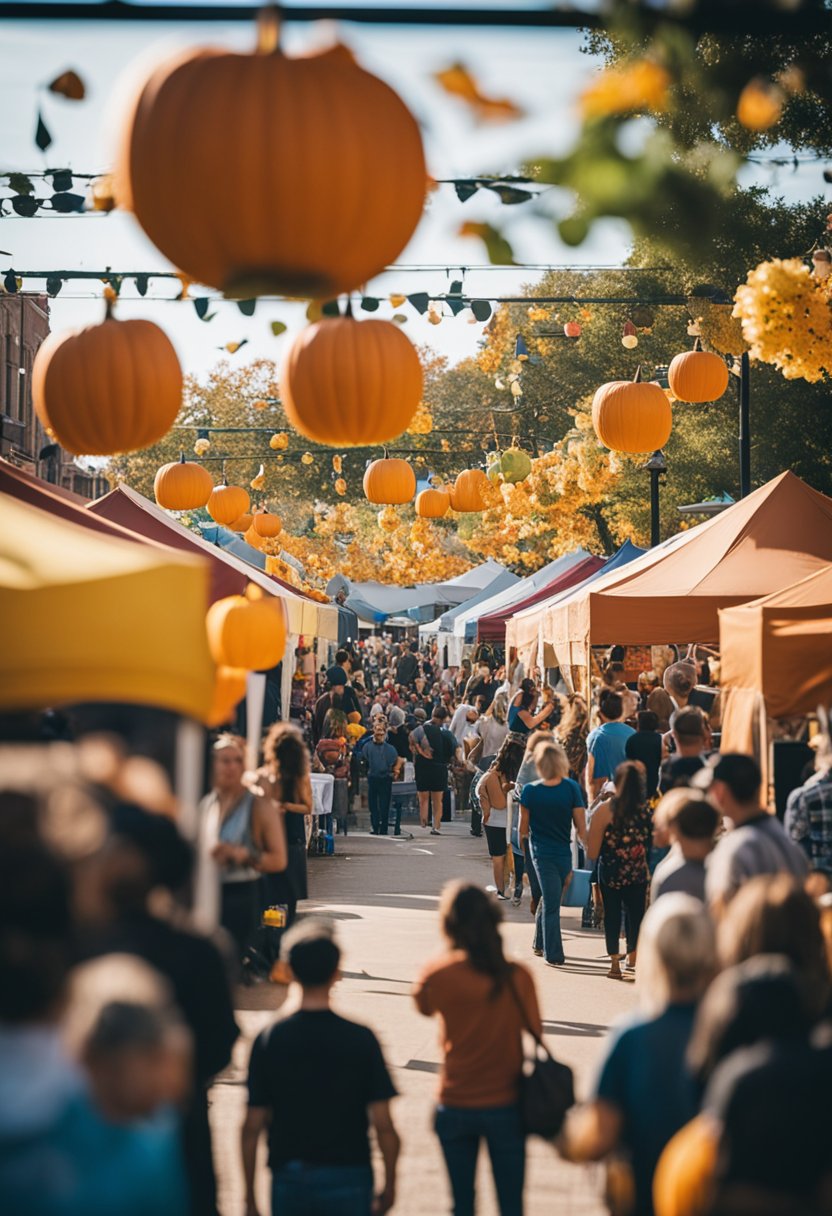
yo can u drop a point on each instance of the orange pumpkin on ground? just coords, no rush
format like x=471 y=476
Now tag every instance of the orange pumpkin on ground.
x=182 y=486
x=632 y=415
x=389 y=481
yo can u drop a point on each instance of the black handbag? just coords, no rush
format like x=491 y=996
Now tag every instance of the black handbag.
x=547 y=1087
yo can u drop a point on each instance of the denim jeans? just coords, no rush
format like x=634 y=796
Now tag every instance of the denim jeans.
x=379 y=792
x=553 y=863
x=460 y=1130
x=322 y=1190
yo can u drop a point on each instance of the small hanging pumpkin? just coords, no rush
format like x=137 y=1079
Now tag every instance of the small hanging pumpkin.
x=340 y=486
x=433 y=504
x=265 y=524
x=242 y=524
x=572 y=329
x=515 y=465
x=469 y=490
x=632 y=415
x=277 y=114
x=229 y=690
x=279 y=442
x=389 y=481
x=351 y=382
x=247 y=631
x=182 y=486
x=109 y=388
x=697 y=375
x=227 y=503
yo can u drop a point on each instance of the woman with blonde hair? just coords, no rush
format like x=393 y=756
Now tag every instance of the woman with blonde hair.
x=571 y=733
x=288 y=784
x=548 y=809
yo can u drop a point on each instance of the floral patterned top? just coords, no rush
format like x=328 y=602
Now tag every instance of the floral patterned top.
x=624 y=853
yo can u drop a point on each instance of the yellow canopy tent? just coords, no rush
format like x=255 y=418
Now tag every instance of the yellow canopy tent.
x=88 y=617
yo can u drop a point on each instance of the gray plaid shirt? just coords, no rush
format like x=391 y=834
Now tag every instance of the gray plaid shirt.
x=808 y=819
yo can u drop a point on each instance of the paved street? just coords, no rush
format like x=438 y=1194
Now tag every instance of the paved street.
x=383 y=892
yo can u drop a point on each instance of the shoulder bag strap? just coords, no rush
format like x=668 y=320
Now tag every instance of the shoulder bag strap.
x=523 y=1018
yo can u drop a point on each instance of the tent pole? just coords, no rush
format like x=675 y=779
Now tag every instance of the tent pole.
x=745 y=425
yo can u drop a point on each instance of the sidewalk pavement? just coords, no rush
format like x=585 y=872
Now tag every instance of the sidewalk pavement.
x=383 y=892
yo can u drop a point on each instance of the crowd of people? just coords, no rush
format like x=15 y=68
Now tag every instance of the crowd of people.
x=116 y=1013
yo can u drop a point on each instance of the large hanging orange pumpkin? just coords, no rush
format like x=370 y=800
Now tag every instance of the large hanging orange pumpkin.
x=266 y=524
x=697 y=375
x=259 y=173
x=433 y=504
x=469 y=490
x=631 y=415
x=247 y=631
x=389 y=481
x=183 y=486
x=351 y=382
x=227 y=503
x=108 y=388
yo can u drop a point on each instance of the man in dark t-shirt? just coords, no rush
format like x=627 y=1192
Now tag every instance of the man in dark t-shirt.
x=318 y=1081
x=407 y=667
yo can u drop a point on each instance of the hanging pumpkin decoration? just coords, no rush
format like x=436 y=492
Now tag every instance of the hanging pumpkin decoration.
x=389 y=481
x=265 y=524
x=340 y=486
x=629 y=338
x=311 y=240
x=572 y=329
x=202 y=446
x=433 y=504
x=247 y=631
x=469 y=490
x=307 y=458
x=760 y=104
x=697 y=375
x=258 y=482
x=227 y=503
x=351 y=382
x=337 y=464
x=229 y=690
x=182 y=486
x=515 y=465
x=632 y=415
x=109 y=388
x=242 y=524
x=279 y=442
x=388 y=520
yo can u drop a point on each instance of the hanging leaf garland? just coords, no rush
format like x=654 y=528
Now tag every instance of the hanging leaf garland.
x=68 y=85
x=43 y=139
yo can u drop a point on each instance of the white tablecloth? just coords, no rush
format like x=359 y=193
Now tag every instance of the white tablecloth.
x=323 y=786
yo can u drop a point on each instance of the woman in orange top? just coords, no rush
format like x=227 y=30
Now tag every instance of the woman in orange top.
x=484 y=1003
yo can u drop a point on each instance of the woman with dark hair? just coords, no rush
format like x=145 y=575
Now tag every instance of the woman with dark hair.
x=484 y=1003
x=286 y=773
x=493 y=793
x=620 y=835
x=521 y=718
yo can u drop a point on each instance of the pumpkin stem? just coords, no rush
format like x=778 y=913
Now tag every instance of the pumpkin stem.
x=637 y=376
x=268 y=30
x=697 y=346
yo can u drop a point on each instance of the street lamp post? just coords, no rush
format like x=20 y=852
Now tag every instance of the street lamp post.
x=745 y=425
x=656 y=466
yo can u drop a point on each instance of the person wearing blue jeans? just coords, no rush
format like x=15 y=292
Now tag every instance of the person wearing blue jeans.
x=460 y=1131
x=548 y=809
x=383 y=765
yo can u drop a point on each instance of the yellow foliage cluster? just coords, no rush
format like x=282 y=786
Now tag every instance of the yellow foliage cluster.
x=635 y=86
x=720 y=329
x=786 y=319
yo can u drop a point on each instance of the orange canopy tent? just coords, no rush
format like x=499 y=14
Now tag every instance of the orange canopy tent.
x=776 y=536
x=776 y=657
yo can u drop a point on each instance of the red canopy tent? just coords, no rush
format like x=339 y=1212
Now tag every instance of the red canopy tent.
x=492 y=628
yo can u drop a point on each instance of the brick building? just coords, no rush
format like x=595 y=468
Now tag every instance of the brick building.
x=24 y=323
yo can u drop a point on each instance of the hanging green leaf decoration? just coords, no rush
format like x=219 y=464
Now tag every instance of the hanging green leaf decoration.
x=42 y=137
x=142 y=282
x=420 y=301
x=465 y=190
x=481 y=309
x=21 y=184
x=573 y=230
x=278 y=328
x=10 y=282
x=247 y=307
x=510 y=195
x=201 y=305
x=456 y=306
x=25 y=205
x=66 y=203
x=330 y=308
x=369 y=304
x=455 y=288
x=500 y=252
x=62 y=180
x=69 y=85
x=53 y=285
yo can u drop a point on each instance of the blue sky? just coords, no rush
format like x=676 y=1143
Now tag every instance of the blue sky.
x=542 y=70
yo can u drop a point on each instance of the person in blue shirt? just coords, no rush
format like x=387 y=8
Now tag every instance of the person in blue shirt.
x=383 y=766
x=548 y=809
x=645 y=1092
x=606 y=746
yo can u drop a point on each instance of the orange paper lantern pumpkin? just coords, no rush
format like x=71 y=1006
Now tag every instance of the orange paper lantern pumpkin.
x=247 y=631
x=108 y=388
x=227 y=503
x=296 y=126
x=632 y=415
x=697 y=375
x=389 y=481
x=265 y=524
x=229 y=690
x=182 y=486
x=469 y=491
x=351 y=382
x=433 y=504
